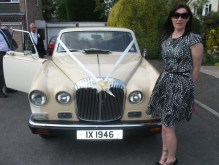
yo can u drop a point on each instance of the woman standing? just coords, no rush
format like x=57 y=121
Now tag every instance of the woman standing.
x=173 y=96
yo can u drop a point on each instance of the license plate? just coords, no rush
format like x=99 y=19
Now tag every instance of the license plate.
x=100 y=134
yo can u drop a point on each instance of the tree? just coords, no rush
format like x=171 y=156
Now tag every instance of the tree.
x=104 y=7
x=165 y=1
x=199 y=5
x=60 y=10
x=171 y=3
x=82 y=10
x=143 y=21
x=210 y=21
x=48 y=9
x=76 y=10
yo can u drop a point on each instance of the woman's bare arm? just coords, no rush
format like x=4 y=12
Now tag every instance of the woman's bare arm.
x=197 y=52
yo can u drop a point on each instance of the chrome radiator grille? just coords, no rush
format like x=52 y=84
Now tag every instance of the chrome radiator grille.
x=93 y=106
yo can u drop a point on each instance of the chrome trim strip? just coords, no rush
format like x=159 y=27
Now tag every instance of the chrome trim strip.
x=89 y=83
x=92 y=126
x=98 y=61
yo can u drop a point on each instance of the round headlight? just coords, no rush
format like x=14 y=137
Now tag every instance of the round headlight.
x=135 y=97
x=37 y=98
x=63 y=97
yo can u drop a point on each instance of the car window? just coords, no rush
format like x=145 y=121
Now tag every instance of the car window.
x=53 y=39
x=23 y=41
x=106 y=40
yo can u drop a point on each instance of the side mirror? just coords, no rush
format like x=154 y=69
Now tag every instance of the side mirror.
x=27 y=52
x=145 y=52
x=10 y=53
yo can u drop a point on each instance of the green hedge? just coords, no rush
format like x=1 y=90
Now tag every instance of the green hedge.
x=211 y=21
x=141 y=16
x=196 y=26
x=210 y=59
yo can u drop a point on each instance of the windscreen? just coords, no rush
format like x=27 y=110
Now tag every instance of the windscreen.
x=23 y=41
x=53 y=39
x=106 y=40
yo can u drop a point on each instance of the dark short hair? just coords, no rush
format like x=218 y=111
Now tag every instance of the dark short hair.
x=168 y=25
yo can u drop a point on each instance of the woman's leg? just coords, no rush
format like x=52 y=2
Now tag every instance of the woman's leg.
x=165 y=150
x=171 y=142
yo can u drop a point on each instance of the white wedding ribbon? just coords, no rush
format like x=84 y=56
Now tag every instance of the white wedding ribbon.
x=120 y=59
x=101 y=85
x=76 y=60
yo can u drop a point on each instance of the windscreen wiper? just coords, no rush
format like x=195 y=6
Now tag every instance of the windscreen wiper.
x=96 y=51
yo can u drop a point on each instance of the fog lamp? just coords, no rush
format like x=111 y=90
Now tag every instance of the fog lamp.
x=63 y=97
x=135 y=97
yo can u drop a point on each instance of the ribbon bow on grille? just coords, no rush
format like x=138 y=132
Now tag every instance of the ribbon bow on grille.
x=102 y=85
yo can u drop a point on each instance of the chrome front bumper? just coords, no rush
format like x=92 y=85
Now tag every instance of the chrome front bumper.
x=62 y=127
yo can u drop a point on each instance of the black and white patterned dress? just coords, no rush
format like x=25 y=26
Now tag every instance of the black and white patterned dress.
x=172 y=98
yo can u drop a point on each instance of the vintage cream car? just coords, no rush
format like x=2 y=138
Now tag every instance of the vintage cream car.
x=97 y=84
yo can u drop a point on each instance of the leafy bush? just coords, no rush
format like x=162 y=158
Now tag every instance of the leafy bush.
x=210 y=21
x=141 y=16
x=216 y=59
x=210 y=59
x=216 y=64
x=196 y=26
x=212 y=38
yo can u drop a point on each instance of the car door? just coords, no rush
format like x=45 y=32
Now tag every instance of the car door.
x=20 y=66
